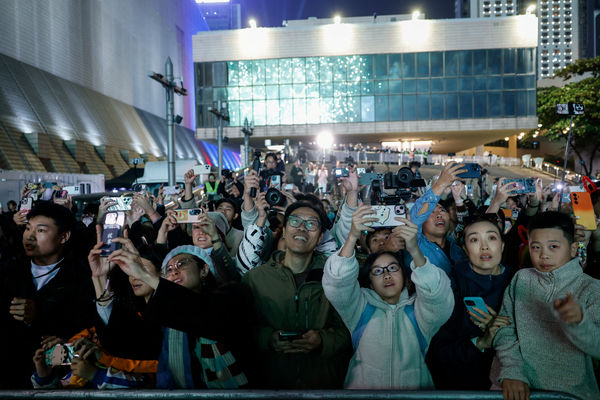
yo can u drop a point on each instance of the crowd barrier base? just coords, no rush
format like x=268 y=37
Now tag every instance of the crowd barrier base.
x=272 y=394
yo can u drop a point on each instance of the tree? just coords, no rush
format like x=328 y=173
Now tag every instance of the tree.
x=585 y=141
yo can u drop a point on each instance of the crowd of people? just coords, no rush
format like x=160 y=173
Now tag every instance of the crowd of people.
x=283 y=279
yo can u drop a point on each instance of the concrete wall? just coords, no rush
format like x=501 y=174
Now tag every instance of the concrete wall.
x=369 y=38
x=107 y=45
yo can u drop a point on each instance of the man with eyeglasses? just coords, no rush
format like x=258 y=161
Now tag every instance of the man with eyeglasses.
x=301 y=340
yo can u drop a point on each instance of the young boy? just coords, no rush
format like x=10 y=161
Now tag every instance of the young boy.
x=555 y=310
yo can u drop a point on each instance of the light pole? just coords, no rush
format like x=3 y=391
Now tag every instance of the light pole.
x=170 y=86
x=220 y=111
x=247 y=130
x=571 y=109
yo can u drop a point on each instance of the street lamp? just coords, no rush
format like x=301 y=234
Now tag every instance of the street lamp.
x=247 y=130
x=170 y=86
x=220 y=111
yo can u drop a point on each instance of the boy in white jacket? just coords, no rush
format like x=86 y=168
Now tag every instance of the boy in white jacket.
x=390 y=327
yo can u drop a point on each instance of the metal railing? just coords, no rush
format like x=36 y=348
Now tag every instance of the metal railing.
x=539 y=164
x=273 y=394
x=364 y=157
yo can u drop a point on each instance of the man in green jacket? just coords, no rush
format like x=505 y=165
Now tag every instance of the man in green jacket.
x=301 y=340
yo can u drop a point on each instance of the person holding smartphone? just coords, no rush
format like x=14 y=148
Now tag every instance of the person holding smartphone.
x=46 y=293
x=392 y=317
x=461 y=353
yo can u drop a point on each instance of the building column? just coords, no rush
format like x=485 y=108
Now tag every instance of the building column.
x=512 y=146
x=479 y=150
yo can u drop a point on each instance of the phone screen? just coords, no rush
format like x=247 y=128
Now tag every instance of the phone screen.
x=276 y=181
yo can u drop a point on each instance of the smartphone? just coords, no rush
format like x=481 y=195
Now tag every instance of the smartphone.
x=60 y=354
x=290 y=335
x=123 y=203
x=72 y=190
x=508 y=212
x=473 y=171
x=584 y=210
x=188 y=215
x=26 y=204
x=112 y=228
x=469 y=190
x=524 y=185
x=201 y=169
x=60 y=194
x=171 y=189
x=475 y=302
x=275 y=182
x=289 y=187
x=386 y=215
x=341 y=172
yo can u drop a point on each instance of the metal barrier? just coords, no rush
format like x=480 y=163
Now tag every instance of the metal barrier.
x=540 y=165
x=364 y=157
x=273 y=394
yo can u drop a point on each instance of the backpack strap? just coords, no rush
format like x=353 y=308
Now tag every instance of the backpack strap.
x=362 y=324
x=410 y=313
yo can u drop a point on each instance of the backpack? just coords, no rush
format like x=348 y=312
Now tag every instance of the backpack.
x=366 y=315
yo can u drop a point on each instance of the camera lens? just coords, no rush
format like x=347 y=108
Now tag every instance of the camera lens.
x=405 y=176
x=274 y=197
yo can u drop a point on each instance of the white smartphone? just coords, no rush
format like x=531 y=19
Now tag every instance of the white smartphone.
x=386 y=215
x=188 y=216
x=171 y=189
x=201 y=169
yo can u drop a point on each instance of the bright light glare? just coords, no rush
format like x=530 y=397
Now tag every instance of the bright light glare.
x=506 y=138
x=325 y=139
x=212 y=1
x=415 y=14
x=337 y=19
x=530 y=9
x=252 y=23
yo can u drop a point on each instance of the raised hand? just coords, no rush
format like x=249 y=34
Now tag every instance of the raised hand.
x=98 y=265
x=448 y=175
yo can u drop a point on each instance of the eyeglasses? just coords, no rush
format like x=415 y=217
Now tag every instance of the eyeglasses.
x=177 y=267
x=377 y=271
x=311 y=225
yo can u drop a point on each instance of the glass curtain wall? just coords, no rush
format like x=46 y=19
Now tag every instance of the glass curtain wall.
x=497 y=83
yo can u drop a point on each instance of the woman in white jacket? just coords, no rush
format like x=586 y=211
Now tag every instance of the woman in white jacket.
x=391 y=328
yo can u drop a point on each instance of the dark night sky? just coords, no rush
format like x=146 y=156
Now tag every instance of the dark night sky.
x=273 y=12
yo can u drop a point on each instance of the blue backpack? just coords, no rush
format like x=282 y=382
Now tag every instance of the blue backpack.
x=368 y=313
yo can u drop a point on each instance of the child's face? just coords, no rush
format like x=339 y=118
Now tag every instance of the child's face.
x=549 y=249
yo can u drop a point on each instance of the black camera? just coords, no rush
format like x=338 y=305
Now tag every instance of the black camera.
x=256 y=167
x=227 y=173
x=275 y=198
x=404 y=182
x=403 y=179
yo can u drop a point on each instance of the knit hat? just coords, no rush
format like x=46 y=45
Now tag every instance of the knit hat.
x=187 y=249
x=220 y=221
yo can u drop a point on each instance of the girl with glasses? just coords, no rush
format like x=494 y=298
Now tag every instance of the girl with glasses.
x=391 y=324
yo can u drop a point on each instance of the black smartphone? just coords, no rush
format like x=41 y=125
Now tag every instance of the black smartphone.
x=112 y=228
x=290 y=335
x=473 y=171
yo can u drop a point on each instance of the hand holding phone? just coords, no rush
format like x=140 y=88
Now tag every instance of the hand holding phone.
x=475 y=302
x=289 y=335
x=60 y=354
x=112 y=228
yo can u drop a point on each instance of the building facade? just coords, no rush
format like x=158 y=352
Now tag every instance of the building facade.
x=559 y=35
x=459 y=83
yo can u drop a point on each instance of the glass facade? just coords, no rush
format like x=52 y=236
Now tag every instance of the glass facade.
x=465 y=84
